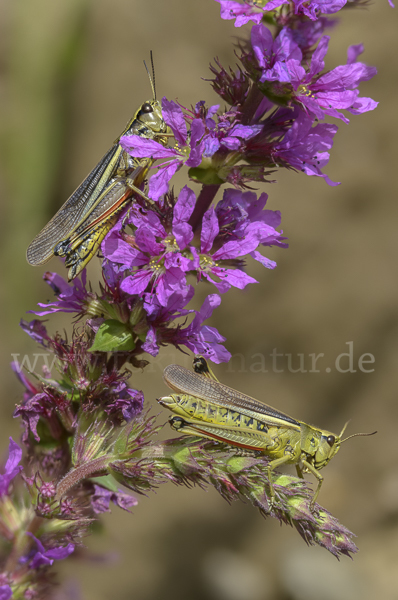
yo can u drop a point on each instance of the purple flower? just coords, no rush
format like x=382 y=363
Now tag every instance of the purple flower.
x=12 y=467
x=30 y=389
x=5 y=592
x=162 y=264
x=36 y=330
x=37 y=406
x=128 y=402
x=247 y=11
x=102 y=497
x=334 y=90
x=189 y=153
x=290 y=139
x=279 y=58
x=205 y=138
x=304 y=147
x=203 y=339
x=228 y=136
x=182 y=212
x=160 y=318
x=237 y=210
x=156 y=258
x=307 y=33
x=313 y=8
x=45 y=557
x=72 y=296
x=234 y=229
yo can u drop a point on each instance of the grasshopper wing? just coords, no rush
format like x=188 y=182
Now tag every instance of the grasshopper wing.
x=72 y=212
x=184 y=381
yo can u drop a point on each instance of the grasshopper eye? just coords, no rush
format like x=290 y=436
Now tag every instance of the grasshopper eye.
x=146 y=108
x=331 y=440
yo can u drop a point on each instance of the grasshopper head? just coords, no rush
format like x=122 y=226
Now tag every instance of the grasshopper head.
x=319 y=445
x=148 y=120
x=329 y=445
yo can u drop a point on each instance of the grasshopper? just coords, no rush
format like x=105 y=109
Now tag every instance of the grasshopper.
x=210 y=409
x=78 y=228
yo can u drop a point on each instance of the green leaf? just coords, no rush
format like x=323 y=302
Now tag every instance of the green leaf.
x=113 y=336
x=107 y=481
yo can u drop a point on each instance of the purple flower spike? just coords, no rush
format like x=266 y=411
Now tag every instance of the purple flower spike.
x=85 y=428
x=12 y=467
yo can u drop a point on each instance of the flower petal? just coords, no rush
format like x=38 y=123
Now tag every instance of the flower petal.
x=210 y=229
x=174 y=117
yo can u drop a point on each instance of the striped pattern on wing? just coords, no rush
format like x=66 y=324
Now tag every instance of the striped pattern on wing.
x=184 y=381
x=70 y=213
x=85 y=245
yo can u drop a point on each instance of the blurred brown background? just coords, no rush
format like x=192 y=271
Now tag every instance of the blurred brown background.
x=71 y=76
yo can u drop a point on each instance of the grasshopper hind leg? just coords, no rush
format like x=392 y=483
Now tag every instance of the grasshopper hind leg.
x=274 y=464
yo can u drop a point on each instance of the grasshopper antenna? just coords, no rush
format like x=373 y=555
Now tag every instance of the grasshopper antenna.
x=357 y=435
x=151 y=79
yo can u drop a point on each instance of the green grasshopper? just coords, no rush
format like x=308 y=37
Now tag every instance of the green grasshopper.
x=210 y=409
x=78 y=228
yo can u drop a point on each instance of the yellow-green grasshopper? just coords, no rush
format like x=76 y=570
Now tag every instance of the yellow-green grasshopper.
x=78 y=228
x=210 y=409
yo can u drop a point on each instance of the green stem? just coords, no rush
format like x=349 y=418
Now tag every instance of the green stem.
x=75 y=475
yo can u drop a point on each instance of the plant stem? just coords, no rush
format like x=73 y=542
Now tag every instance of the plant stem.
x=203 y=202
x=98 y=465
